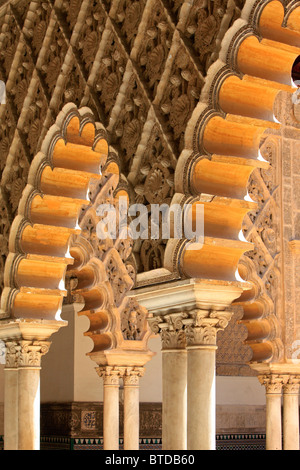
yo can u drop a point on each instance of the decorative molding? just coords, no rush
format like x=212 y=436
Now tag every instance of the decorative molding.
x=83 y=56
x=85 y=420
x=132 y=376
x=148 y=108
x=111 y=375
x=273 y=383
x=171 y=329
x=25 y=354
x=196 y=327
x=202 y=326
x=292 y=385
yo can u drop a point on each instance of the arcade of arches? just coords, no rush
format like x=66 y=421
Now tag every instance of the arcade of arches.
x=118 y=342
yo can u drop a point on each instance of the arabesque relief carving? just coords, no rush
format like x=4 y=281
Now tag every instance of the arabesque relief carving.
x=142 y=75
x=38 y=64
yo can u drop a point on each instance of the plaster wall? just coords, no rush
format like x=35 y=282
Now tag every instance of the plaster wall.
x=66 y=366
x=69 y=375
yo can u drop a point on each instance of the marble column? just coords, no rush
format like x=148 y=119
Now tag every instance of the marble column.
x=174 y=377
x=111 y=387
x=188 y=314
x=22 y=394
x=273 y=384
x=291 y=413
x=131 y=381
x=201 y=336
x=201 y=396
x=10 y=408
x=29 y=408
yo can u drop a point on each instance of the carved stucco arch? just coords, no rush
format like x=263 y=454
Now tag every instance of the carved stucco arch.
x=55 y=252
x=238 y=114
x=258 y=21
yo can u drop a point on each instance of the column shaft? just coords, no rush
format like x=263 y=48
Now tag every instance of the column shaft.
x=22 y=393
x=11 y=409
x=29 y=409
x=131 y=417
x=273 y=421
x=201 y=427
x=290 y=420
x=174 y=419
x=111 y=417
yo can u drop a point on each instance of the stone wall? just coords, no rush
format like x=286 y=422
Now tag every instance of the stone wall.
x=79 y=426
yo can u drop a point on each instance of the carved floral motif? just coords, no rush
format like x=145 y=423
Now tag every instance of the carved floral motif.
x=9 y=45
x=203 y=27
x=171 y=329
x=91 y=33
x=273 y=383
x=262 y=228
x=128 y=17
x=25 y=353
x=111 y=375
x=181 y=95
x=21 y=82
x=4 y=235
x=54 y=58
x=71 y=10
x=131 y=119
x=125 y=90
x=133 y=321
x=110 y=73
x=38 y=26
x=194 y=328
x=155 y=45
x=17 y=177
x=35 y=115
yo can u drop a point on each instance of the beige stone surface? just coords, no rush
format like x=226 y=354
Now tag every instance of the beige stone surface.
x=240 y=418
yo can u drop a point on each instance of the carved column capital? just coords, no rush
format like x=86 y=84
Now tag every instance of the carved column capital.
x=111 y=375
x=291 y=385
x=171 y=329
x=202 y=326
x=23 y=354
x=132 y=376
x=273 y=383
x=195 y=328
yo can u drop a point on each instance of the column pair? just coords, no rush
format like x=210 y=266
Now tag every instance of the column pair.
x=282 y=429
x=111 y=387
x=22 y=394
x=189 y=372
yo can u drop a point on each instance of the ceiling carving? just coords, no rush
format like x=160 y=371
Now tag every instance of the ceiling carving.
x=139 y=66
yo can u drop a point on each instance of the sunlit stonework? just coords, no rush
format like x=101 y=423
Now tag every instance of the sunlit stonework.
x=183 y=103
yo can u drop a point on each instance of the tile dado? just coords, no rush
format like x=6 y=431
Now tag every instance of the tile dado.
x=78 y=426
x=223 y=442
x=84 y=420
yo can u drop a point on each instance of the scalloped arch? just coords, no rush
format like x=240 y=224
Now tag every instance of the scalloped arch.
x=55 y=250
x=72 y=156
x=238 y=109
